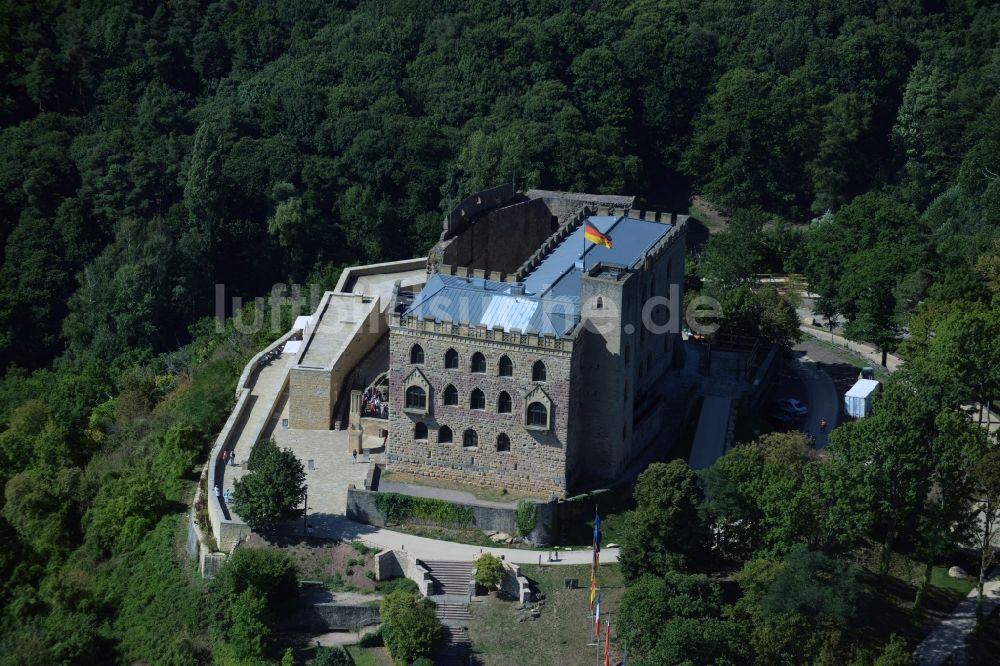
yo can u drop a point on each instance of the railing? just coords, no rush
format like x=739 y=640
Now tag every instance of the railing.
x=226 y=531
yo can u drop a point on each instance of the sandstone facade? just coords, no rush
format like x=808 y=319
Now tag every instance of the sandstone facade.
x=537 y=457
x=603 y=374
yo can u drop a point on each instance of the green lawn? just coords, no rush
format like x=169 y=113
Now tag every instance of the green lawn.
x=480 y=492
x=886 y=605
x=886 y=608
x=471 y=536
x=563 y=631
x=940 y=578
x=369 y=656
x=712 y=221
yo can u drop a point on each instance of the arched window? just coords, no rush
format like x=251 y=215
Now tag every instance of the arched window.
x=416 y=398
x=600 y=302
x=477 y=400
x=470 y=438
x=505 y=367
x=503 y=442
x=478 y=363
x=538 y=372
x=444 y=435
x=450 y=395
x=451 y=359
x=538 y=415
x=417 y=354
x=504 y=403
x=420 y=430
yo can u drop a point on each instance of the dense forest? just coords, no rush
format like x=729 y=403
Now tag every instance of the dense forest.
x=151 y=150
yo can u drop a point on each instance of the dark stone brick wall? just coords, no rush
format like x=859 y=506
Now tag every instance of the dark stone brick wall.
x=501 y=239
x=536 y=461
x=320 y=618
x=361 y=508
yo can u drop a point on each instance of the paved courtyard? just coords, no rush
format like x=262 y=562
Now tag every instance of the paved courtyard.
x=332 y=470
x=329 y=465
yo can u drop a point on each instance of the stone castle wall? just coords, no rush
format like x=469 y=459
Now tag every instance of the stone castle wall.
x=313 y=391
x=536 y=461
x=500 y=240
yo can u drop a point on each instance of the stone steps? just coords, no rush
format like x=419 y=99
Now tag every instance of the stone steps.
x=457 y=636
x=448 y=612
x=449 y=577
x=455 y=650
x=451 y=591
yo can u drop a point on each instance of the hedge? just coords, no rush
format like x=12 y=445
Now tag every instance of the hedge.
x=400 y=508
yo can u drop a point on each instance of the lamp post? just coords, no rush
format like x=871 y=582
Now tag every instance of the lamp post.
x=305 y=510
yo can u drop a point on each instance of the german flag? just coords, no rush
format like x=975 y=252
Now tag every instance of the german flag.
x=591 y=233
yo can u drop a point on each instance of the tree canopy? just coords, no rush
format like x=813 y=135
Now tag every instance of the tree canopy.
x=273 y=489
x=152 y=150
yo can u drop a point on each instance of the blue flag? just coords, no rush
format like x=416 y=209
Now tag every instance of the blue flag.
x=597 y=530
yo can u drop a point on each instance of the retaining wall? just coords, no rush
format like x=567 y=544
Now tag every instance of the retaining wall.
x=361 y=508
x=398 y=563
x=514 y=585
x=321 y=618
x=229 y=532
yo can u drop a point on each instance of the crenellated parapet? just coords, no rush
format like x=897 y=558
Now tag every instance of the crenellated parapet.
x=530 y=339
x=564 y=230
x=676 y=233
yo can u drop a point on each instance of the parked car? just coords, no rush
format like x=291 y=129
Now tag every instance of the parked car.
x=781 y=420
x=791 y=406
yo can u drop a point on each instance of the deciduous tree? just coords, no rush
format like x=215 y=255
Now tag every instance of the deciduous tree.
x=665 y=530
x=272 y=490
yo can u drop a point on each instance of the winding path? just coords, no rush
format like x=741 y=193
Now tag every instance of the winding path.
x=339 y=527
x=947 y=640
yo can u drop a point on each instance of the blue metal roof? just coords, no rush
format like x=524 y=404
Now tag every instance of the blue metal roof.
x=480 y=302
x=548 y=301
x=560 y=271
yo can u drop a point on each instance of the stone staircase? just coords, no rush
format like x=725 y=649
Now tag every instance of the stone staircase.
x=450 y=578
x=451 y=594
x=455 y=651
x=452 y=611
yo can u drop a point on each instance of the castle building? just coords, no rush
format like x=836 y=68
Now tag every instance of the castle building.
x=531 y=358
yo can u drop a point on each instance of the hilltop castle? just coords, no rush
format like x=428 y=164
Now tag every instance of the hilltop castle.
x=518 y=355
x=523 y=362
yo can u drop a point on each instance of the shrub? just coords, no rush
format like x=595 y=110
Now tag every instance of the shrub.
x=395 y=585
x=363 y=549
x=123 y=512
x=271 y=573
x=400 y=508
x=895 y=653
x=374 y=639
x=526 y=516
x=410 y=628
x=489 y=571
x=246 y=626
x=253 y=587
